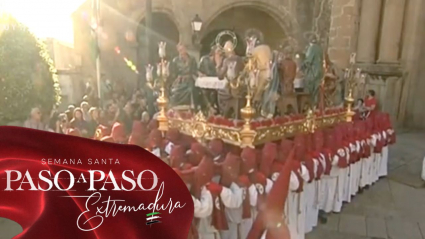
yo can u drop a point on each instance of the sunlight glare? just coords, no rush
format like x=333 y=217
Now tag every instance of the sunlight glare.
x=45 y=18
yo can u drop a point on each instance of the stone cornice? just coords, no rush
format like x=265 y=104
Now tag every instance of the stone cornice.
x=381 y=69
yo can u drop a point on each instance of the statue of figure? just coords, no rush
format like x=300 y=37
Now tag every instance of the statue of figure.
x=229 y=68
x=313 y=69
x=183 y=72
x=288 y=71
x=270 y=94
x=207 y=67
x=262 y=56
x=331 y=89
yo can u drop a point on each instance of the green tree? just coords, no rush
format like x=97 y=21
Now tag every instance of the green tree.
x=27 y=74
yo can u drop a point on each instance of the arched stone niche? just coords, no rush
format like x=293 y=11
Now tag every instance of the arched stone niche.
x=275 y=21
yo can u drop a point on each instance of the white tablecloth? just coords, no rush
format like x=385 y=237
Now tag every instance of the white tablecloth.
x=208 y=82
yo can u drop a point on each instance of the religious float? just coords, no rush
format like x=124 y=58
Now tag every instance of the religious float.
x=250 y=119
x=252 y=128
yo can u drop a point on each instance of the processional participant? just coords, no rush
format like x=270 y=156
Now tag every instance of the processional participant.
x=214 y=202
x=230 y=68
x=368 y=165
x=209 y=216
x=343 y=151
x=313 y=69
x=312 y=186
x=183 y=71
x=354 y=147
x=370 y=103
x=178 y=158
x=379 y=166
x=389 y=139
x=216 y=147
x=329 y=181
x=359 y=129
x=233 y=200
x=367 y=156
x=296 y=207
x=270 y=223
x=138 y=134
x=256 y=179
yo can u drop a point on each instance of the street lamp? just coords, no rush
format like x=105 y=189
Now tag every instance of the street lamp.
x=196 y=27
x=197 y=24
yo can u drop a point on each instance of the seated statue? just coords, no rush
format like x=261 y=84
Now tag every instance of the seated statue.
x=207 y=68
x=287 y=72
x=183 y=74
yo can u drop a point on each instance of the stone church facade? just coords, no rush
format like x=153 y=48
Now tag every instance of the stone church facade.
x=385 y=34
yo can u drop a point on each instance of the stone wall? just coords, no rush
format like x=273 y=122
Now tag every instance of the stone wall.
x=412 y=107
x=386 y=35
x=121 y=19
x=321 y=21
x=343 y=29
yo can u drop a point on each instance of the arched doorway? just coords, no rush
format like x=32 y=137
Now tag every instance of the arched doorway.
x=241 y=18
x=163 y=29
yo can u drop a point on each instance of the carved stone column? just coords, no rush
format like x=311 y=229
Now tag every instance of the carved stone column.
x=392 y=26
x=368 y=33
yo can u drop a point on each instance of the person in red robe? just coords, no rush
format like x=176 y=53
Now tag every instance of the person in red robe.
x=270 y=223
x=138 y=134
x=371 y=104
x=118 y=134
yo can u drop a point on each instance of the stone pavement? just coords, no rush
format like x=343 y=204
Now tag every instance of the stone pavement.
x=393 y=208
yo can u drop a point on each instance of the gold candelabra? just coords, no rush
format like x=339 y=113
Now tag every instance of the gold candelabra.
x=247 y=133
x=163 y=73
x=352 y=76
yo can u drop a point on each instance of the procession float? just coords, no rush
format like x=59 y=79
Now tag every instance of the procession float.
x=256 y=87
x=250 y=143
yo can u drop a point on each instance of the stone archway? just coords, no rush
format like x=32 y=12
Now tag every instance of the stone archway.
x=241 y=18
x=163 y=29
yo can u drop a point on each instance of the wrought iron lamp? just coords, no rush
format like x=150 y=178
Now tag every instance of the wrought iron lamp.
x=196 y=28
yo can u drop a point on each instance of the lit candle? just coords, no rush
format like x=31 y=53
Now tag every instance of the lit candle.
x=161 y=49
x=149 y=75
x=347 y=73
x=165 y=69
x=159 y=69
x=363 y=78
x=358 y=73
